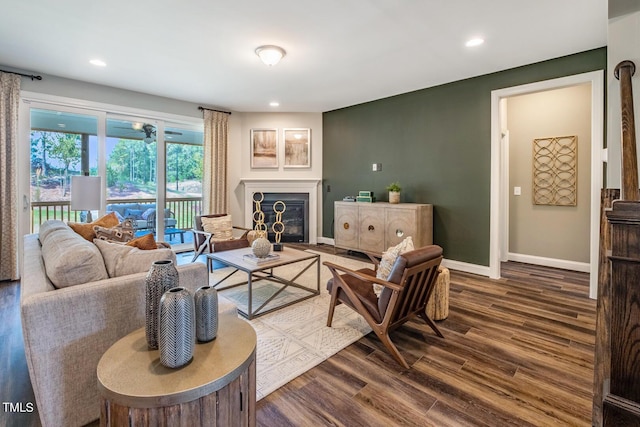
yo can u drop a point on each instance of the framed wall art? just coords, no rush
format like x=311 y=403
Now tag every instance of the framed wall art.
x=297 y=148
x=264 y=148
x=555 y=171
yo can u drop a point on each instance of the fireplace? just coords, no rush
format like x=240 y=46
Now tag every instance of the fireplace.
x=295 y=216
x=298 y=187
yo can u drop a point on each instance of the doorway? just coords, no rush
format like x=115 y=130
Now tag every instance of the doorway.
x=500 y=171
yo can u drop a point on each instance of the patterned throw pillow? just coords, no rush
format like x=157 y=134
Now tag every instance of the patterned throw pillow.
x=86 y=229
x=122 y=232
x=389 y=258
x=221 y=227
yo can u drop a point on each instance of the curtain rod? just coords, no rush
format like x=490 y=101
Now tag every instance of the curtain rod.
x=211 y=109
x=31 y=76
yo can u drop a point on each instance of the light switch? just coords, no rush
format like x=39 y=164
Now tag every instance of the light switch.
x=517 y=191
x=376 y=167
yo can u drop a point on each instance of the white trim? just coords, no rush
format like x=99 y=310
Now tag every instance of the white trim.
x=480 y=270
x=583 y=267
x=466 y=267
x=596 y=79
x=63 y=101
x=326 y=240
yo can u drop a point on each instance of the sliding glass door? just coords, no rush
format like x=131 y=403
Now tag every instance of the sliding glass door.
x=151 y=168
x=61 y=144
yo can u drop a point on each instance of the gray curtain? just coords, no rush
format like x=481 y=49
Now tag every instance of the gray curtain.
x=214 y=180
x=9 y=103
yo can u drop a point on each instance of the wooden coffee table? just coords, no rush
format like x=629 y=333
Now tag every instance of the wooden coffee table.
x=257 y=272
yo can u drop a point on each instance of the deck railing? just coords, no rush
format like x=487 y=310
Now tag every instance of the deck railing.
x=184 y=209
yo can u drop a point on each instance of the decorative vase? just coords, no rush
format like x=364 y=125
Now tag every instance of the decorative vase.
x=176 y=327
x=206 y=302
x=261 y=247
x=162 y=276
x=394 y=197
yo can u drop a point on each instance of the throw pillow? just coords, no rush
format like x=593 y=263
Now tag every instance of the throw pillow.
x=122 y=232
x=133 y=213
x=146 y=242
x=86 y=229
x=121 y=260
x=389 y=258
x=221 y=227
x=145 y=214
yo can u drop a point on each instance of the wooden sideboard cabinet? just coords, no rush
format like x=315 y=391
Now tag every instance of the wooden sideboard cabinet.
x=373 y=227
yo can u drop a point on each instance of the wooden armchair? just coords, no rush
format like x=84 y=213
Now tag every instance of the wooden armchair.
x=403 y=296
x=204 y=242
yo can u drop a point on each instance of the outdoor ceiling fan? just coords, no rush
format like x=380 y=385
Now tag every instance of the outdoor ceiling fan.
x=149 y=131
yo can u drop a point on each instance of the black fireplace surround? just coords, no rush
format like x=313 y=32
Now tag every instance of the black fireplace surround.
x=295 y=217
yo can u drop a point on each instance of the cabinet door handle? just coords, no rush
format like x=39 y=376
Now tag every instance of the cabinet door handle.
x=345 y=225
x=399 y=233
x=371 y=228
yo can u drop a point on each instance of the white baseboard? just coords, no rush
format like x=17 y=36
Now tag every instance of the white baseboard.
x=480 y=270
x=550 y=262
x=326 y=240
x=451 y=264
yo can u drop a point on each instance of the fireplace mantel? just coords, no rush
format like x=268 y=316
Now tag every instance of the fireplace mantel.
x=309 y=186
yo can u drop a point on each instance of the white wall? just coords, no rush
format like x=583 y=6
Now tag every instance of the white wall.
x=239 y=153
x=623 y=44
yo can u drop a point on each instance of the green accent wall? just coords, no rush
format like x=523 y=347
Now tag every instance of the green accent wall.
x=437 y=143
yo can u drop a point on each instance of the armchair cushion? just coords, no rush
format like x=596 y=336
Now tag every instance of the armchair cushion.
x=388 y=261
x=363 y=290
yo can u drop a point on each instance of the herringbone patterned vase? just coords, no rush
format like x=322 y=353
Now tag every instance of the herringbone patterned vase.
x=176 y=327
x=206 y=301
x=162 y=276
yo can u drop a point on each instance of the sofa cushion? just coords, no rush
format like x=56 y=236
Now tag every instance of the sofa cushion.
x=86 y=229
x=120 y=259
x=50 y=226
x=133 y=213
x=71 y=260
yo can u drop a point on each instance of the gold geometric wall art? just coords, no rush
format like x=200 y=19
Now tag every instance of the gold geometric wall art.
x=555 y=171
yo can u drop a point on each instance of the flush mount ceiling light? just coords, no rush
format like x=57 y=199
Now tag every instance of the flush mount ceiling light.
x=98 y=63
x=474 y=42
x=270 y=54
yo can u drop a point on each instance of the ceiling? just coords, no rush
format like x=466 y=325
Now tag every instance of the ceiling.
x=339 y=53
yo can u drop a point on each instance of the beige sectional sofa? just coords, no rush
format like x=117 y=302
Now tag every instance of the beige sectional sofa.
x=69 y=326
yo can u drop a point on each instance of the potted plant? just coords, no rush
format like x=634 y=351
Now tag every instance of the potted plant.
x=394 y=192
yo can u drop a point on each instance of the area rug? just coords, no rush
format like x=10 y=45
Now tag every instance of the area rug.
x=294 y=339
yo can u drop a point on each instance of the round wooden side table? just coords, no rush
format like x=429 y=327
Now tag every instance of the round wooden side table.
x=217 y=388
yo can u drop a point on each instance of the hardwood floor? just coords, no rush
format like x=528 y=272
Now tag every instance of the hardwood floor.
x=517 y=351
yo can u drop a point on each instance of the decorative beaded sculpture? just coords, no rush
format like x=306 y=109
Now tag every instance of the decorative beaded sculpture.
x=261 y=245
x=258 y=216
x=278 y=226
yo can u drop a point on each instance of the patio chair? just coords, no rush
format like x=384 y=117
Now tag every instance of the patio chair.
x=404 y=295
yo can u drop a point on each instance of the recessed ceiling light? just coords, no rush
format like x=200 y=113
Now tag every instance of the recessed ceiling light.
x=274 y=104
x=98 y=63
x=474 y=42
